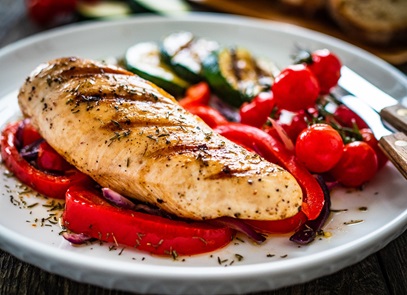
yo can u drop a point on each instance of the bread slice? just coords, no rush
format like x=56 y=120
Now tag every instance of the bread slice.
x=375 y=21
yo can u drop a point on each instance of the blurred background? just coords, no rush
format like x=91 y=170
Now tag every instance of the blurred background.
x=378 y=26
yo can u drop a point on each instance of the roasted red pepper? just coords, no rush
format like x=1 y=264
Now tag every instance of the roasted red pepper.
x=49 y=160
x=208 y=114
x=50 y=184
x=26 y=134
x=88 y=213
x=274 y=151
x=287 y=225
x=196 y=101
x=198 y=94
x=256 y=112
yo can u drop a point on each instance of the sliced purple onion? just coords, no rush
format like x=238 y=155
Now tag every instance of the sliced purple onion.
x=240 y=226
x=288 y=143
x=153 y=211
x=331 y=184
x=19 y=134
x=30 y=152
x=76 y=239
x=124 y=203
x=117 y=199
x=307 y=233
x=231 y=113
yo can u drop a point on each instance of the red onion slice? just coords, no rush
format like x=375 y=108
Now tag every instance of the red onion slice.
x=76 y=239
x=307 y=233
x=153 y=211
x=240 y=226
x=283 y=135
x=117 y=199
x=30 y=152
x=19 y=134
x=124 y=203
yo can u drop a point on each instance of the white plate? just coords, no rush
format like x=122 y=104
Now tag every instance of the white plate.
x=275 y=264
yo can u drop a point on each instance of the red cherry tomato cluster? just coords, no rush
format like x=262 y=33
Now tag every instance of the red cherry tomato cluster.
x=330 y=140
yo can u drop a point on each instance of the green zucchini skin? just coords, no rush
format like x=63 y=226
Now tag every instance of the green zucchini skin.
x=144 y=59
x=184 y=53
x=236 y=76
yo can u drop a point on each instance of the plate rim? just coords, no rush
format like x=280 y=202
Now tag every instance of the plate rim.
x=389 y=231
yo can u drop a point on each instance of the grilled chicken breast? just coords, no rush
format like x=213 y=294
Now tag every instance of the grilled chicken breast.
x=131 y=136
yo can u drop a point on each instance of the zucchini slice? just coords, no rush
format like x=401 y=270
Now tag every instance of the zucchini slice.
x=102 y=9
x=184 y=53
x=236 y=76
x=163 y=7
x=144 y=59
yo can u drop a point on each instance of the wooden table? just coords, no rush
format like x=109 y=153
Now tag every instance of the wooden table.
x=384 y=272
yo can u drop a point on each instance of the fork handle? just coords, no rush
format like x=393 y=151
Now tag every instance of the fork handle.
x=396 y=116
x=395 y=148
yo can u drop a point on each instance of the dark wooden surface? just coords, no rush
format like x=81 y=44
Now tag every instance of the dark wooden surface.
x=384 y=272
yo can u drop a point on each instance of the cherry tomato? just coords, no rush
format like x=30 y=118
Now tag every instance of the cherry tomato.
x=88 y=213
x=371 y=140
x=293 y=123
x=51 y=12
x=319 y=147
x=326 y=67
x=256 y=112
x=348 y=118
x=357 y=165
x=295 y=88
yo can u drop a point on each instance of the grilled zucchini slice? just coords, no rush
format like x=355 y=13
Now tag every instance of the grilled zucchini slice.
x=236 y=76
x=102 y=9
x=184 y=53
x=144 y=59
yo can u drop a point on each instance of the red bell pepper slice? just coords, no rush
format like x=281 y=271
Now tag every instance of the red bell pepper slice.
x=49 y=159
x=50 y=185
x=208 y=114
x=88 y=213
x=287 y=225
x=256 y=112
x=274 y=151
x=28 y=133
x=198 y=94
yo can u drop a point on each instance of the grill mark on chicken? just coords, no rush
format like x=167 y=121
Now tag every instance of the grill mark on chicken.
x=133 y=137
x=87 y=92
